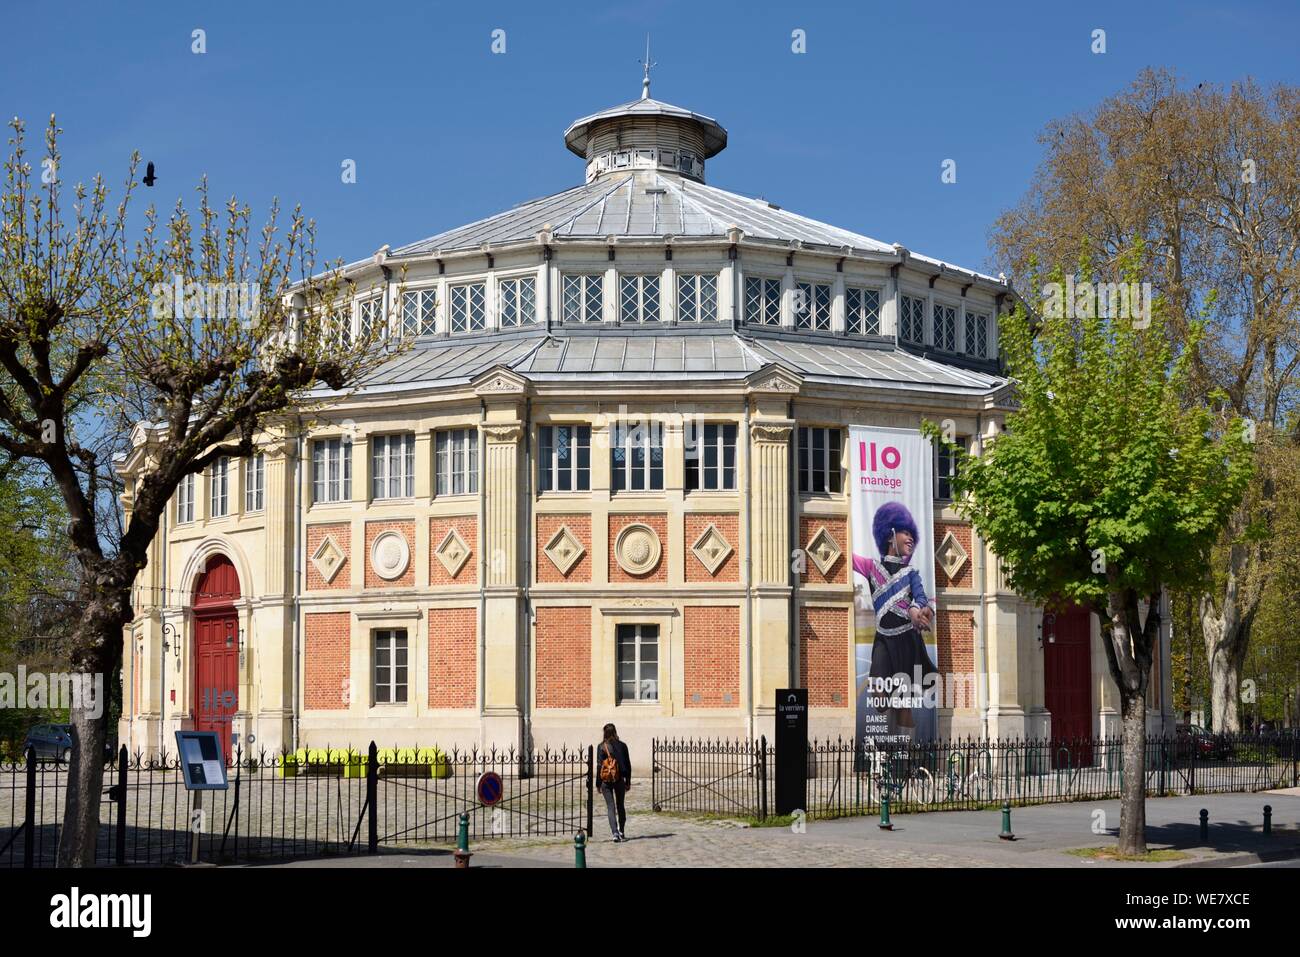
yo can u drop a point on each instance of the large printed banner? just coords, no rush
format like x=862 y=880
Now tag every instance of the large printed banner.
x=893 y=580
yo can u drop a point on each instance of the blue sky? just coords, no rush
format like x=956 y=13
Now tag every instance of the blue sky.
x=443 y=131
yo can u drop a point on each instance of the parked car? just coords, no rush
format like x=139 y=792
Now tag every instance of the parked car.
x=52 y=742
x=1192 y=742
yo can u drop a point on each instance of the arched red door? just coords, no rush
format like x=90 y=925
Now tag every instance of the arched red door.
x=216 y=649
x=1067 y=683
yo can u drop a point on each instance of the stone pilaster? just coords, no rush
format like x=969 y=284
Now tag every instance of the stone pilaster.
x=502 y=641
x=769 y=482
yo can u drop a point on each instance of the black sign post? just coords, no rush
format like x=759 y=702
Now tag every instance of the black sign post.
x=791 y=750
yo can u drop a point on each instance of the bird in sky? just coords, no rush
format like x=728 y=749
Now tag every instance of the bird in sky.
x=149 y=178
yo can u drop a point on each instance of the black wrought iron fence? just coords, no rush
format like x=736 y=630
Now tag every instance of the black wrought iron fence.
x=736 y=778
x=308 y=803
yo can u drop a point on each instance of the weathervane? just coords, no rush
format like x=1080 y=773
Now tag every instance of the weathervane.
x=645 y=81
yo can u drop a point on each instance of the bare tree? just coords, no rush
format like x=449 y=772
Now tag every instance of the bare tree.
x=204 y=325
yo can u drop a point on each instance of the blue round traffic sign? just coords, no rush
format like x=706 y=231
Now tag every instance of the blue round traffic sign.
x=489 y=788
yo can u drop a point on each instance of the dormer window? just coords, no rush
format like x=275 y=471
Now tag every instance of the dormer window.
x=945 y=327
x=419 y=313
x=977 y=334
x=582 y=298
x=468 y=307
x=812 y=306
x=763 y=301
x=862 y=311
x=638 y=299
x=697 y=297
x=518 y=301
x=911 y=319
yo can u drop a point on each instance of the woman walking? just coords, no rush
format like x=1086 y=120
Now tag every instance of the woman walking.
x=614 y=777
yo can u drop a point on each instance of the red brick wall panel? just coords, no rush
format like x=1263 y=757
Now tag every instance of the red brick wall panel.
x=453 y=657
x=341 y=532
x=563 y=650
x=837 y=528
x=327 y=660
x=580 y=527
x=824 y=656
x=466 y=527
x=712 y=656
x=729 y=525
x=660 y=525
x=404 y=527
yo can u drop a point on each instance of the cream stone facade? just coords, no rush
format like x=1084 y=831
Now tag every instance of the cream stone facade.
x=492 y=575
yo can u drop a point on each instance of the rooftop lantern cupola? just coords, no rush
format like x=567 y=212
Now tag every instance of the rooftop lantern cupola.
x=646 y=134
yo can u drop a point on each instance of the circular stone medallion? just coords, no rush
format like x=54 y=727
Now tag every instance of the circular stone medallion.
x=389 y=555
x=637 y=549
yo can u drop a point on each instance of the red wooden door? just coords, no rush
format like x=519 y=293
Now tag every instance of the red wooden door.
x=216 y=650
x=1067 y=667
x=216 y=675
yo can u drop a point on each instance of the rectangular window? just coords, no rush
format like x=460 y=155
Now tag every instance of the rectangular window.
x=185 y=500
x=392 y=466
x=564 y=462
x=946 y=463
x=219 y=488
x=581 y=298
x=254 y=483
x=638 y=299
x=977 y=334
x=419 y=313
x=862 y=311
x=945 y=327
x=370 y=319
x=331 y=470
x=763 y=301
x=457 y=462
x=468 y=313
x=638 y=662
x=636 y=457
x=812 y=306
x=341 y=321
x=697 y=298
x=710 y=456
x=911 y=319
x=518 y=301
x=390 y=666
x=820 y=451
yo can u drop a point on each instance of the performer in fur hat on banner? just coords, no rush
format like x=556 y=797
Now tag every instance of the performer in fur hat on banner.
x=902 y=609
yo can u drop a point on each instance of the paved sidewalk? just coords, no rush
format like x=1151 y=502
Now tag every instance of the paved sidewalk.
x=934 y=839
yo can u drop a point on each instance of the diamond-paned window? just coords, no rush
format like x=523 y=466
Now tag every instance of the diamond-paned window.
x=977 y=334
x=419 y=313
x=638 y=299
x=697 y=297
x=862 y=311
x=581 y=298
x=518 y=301
x=911 y=319
x=370 y=318
x=467 y=308
x=763 y=301
x=945 y=327
x=812 y=306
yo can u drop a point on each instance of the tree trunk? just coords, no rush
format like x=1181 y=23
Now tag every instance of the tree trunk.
x=1225 y=687
x=80 y=827
x=97 y=648
x=1133 y=804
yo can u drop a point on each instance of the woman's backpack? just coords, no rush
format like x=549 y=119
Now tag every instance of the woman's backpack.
x=609 y=772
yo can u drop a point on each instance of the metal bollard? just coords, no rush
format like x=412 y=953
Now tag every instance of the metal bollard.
x=885 y=824
x=1205 y=825
x=1268 y=819
x=462 y=854
x=1006 y=834
x=580 y=850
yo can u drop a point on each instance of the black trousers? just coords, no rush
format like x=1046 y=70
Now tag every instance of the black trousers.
x=614 y=797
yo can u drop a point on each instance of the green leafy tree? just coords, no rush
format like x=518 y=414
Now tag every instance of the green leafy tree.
x=1104 y=490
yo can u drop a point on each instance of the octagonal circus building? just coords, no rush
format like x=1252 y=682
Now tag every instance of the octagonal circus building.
x=606 y=482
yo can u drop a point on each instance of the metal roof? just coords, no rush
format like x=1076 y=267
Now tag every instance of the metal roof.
x=715 y=137
x=646 y=204
x=669 y=354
